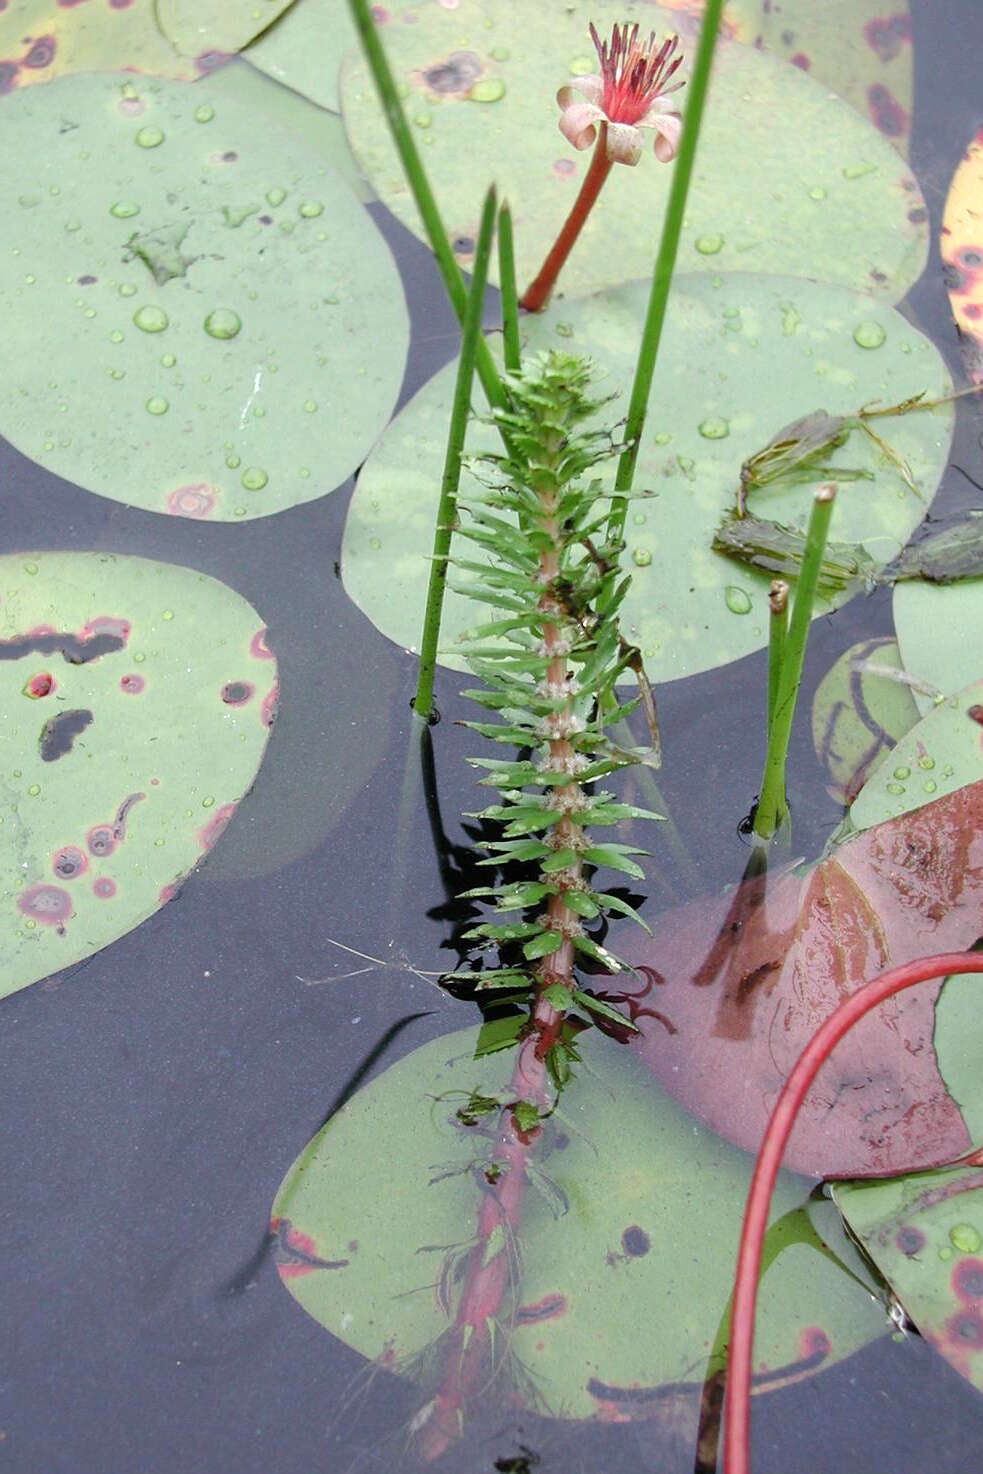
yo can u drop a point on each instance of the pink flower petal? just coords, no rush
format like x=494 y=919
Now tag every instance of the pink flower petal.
x=578 y=123
x=624 y=145
x=590 y=87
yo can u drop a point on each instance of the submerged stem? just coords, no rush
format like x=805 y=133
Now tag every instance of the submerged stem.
x=537 y=293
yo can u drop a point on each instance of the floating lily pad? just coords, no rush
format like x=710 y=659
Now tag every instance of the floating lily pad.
x=306 y=47
x=620 y=1294
x=789 y=179
x=44 y=39
x=210 y=30
x=741 y=357
x=925 y=1234
x=321 y=130
x=199 y=317
x=938 y=629
x=859 y=712
x=137 y=701
x=962 y=252
x=732 y=988
x=943 y=753
x=852 y=46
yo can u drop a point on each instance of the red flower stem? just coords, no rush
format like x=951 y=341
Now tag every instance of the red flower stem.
x=537 y=295
x=737 y=1415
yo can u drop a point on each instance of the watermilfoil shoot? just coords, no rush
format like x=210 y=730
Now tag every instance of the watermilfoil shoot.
x=631 y=92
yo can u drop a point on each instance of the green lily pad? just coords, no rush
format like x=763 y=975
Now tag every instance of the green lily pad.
x=306 y=47
x=199 y=317
x=852 y=46
x=938 y=629
x=210 y=30
x=942 y=753
x=789 y=179
x=925 y=1234
x=741 y=357
x=321 y=130
x=137 y=700
x=626 y=1255
x=44 y=39
x=859 y=712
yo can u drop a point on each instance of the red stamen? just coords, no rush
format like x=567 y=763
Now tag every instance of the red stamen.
x=634 y=73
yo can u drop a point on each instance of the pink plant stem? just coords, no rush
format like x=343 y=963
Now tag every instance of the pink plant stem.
x=537 y=295
x=737 y=1414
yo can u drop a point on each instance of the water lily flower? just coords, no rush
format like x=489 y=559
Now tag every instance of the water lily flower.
x=630 y=93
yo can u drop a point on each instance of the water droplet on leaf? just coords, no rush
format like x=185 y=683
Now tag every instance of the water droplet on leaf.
x=151 y=319
x=869 y=334
x=738 y=600
x=223 y=323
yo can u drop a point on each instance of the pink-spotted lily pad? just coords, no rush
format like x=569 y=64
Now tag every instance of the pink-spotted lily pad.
x=925 y=1234
x=44 y=39
x=962 y=252
x=200 y=319
x=861 y=49
x=789 y=178
x=622 y=1257
x=137 y=699
x=859 y=712
x=732 y=989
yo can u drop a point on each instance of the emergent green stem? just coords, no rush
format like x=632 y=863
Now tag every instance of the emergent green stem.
x=447 y=510
x=509 y=291
x=537 y=294
x=777 y=635
x=772 y=810
x=416 y=178
x=664 y=264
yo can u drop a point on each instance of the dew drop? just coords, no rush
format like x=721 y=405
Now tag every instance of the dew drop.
x=157 y=405
x=639 y=519
x=930 y=786
x=564 y=329
x=167 y=360
x=150 y=137
x=896 y=788
x=869 y=334
x=73 y=225
x=709 y=245
x=663 y=437
x=233 y=462
x=738 y=600
x=310 y=209
x=902 y=772
x=116 y=336
x=89 y=312
x=223 y=323
x=310 y=405
x=151 y=319
x=965 y=1238
x=817 y=193
x=205 y=113
x=857 y=171
x=926 y=762
x=276 y=196
x=422 y=119
x=375 y=544
x=254 y=478
x=488 y=89
x=126 y=289
x=714 y=429
x=641 y=557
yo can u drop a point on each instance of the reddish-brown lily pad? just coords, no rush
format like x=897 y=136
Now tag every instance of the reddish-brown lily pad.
x=732 y=988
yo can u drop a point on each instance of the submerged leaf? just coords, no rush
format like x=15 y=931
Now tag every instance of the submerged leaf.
x=758 y=543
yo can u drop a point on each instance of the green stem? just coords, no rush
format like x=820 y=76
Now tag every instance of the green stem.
x=419 y=184
x=509 y=291
x=537 y=294
x=664 y=263
x=447 y=510
x=772 y=810
x=777 y=635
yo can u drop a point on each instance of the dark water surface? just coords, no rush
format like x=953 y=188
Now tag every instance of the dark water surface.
x=155 y=1095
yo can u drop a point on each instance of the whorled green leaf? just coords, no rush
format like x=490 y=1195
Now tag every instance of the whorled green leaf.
x=862 y=49
x=199 y=317
x=859 y=712
x=741 y=356
x=209 y=30
x=925 y=1234
x=943 y=752
x=137 y=700
x=624 y=1292
x=789 y=179
x=938 y=629
x=44 y=39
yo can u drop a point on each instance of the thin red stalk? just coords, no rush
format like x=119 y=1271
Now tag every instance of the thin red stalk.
x=537 y=294
x=737 y=1415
